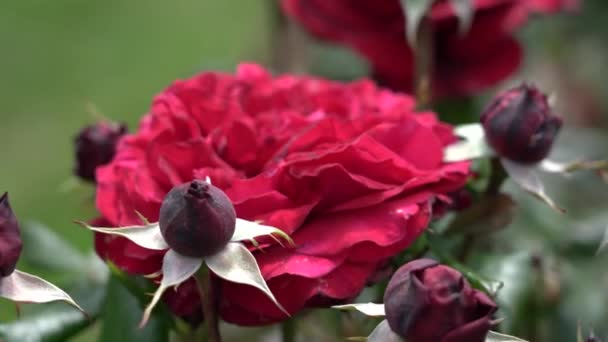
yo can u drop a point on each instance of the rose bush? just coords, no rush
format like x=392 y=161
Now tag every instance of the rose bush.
x=350 y=171
x=462 y=64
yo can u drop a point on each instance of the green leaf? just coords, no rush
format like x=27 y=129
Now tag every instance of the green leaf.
x=43 y=248
x=464 y=12
x=57 y=324
x=440 y=249
x=493 y=336
x=121 y=315
x=518 y=298
x=493 y=213
x=414 y=11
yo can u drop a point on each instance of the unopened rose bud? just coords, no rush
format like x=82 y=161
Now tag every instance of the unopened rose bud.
x=96 y=146
x=197 y=219
x=10 y=238
x=429 y=302
x=520 y=125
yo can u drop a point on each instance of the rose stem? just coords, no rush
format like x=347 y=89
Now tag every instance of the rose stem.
x=205 y=290
x=288 y=330
x=423 y=63
x=497 y=177
x=288 y=44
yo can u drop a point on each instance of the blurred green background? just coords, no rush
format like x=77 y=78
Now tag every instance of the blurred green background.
x=62 y=60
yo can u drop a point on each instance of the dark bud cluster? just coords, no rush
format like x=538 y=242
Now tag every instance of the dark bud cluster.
x=429 y=302
x=197 y=219
x=96 y=146
x=10 y=238
x=520 y=125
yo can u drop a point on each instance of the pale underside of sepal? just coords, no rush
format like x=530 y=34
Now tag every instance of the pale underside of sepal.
x=236 y=264
x=249 y=230
x=526 y=177
x=473 y=145
x=368 y=309
x=176 y=269
x=22 y=287
x=493 y=336
x=147 y=236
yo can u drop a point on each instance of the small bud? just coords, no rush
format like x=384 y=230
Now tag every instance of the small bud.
x=429 y=302
x=197 y=219
x=96 y=146
x=10 y=238
x=520 y=125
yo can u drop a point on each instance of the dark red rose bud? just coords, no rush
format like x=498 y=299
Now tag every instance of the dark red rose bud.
x=10 y=238
x=197 y=219
x=429 y=302
x=96 y=146
x=520 y=125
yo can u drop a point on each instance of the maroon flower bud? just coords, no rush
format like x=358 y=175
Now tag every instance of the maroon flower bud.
x=429 y=302
x=96 y=146
x=520 y=125
x=197 y=219
x=10 y=238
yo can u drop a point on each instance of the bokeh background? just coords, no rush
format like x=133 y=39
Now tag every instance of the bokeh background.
x=64 y=62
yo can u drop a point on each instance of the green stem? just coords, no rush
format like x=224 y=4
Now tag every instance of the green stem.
x=288 y=330
x=205 y=289
x=497 y=177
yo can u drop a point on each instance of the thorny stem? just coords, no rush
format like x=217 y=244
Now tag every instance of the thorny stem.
x=205 y=290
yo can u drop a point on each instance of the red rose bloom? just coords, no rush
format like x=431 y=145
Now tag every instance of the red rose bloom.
x=484 y=56
x=348 y=170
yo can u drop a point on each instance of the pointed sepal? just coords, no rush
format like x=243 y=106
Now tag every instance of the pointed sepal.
x=472 y=146
x=22 y=287
x=493 y=336
x=249 y=230
x=176 y=269
x=526 y=177
x=414 y=11
x=147 y=236
x=383 y=333
x=567 y=168
x=368 y=309
x=236 y=264
x=464 y=11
